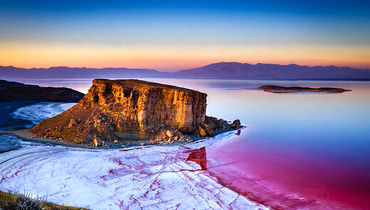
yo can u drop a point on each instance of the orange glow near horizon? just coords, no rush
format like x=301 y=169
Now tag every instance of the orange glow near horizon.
x=171 y=58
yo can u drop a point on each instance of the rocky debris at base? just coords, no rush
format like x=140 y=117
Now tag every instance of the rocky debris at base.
x=205 y=130
x=169 y=137
x=133 y=110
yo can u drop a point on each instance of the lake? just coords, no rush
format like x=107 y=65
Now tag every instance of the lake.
x=308 y=150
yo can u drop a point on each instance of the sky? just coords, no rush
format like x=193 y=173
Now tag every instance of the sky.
x=180 y=34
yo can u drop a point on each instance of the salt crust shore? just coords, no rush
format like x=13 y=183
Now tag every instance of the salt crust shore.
x=140 y=177
x=36 y=113
x=144 y=177
x=40 y=111
x=26 y=136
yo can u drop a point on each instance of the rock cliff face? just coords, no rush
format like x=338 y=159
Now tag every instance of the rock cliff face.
x=115 y=110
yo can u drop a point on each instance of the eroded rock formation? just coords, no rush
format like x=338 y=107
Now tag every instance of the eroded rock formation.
x=115 y=110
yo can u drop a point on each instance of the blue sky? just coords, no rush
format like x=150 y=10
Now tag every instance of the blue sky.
x=166 y=31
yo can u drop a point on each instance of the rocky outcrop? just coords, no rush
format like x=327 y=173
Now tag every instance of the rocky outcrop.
x=10 y=91
x=115 y=110
x=281 y=89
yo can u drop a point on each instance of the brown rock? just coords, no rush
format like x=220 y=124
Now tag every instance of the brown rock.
x=169 y=133
x=181 y=136
x=208 y=130
x=161 y=135
x=115 y=108
x=97 y=141
x=202 y=132
x=212 y=122
x=72 y=123
x=236 y=124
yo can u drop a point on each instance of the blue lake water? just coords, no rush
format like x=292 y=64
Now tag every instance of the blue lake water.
x=312 y=145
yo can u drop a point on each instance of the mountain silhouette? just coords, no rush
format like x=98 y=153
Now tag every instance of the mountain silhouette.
x=222 y=70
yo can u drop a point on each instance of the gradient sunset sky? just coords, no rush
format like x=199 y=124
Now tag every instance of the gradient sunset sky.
x=172 y=35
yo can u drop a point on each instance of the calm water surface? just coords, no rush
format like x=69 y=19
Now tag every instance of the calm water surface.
x=298 y=150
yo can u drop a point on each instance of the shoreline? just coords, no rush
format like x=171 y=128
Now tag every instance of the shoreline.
x=26 y=136
x=178 y=163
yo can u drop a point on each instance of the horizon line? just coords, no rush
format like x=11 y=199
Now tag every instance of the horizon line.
x=136 y=68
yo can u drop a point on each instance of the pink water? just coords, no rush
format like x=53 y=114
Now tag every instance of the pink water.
x=297 y=151
x=287 y=179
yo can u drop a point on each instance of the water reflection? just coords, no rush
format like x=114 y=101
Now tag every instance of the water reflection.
x=314 y=146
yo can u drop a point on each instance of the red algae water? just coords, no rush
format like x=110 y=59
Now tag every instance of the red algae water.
x=287 y=179
x=298 y=151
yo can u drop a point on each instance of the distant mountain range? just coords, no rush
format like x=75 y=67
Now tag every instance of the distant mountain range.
x=229 y=70
x=11 y=72
x=273 y=71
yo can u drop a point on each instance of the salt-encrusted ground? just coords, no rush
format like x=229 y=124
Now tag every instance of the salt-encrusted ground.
x=142 y=177
x=38 y=112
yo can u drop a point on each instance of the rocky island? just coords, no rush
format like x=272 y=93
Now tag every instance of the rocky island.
x=114 y=111
x=10 y=91
x=282 y=89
